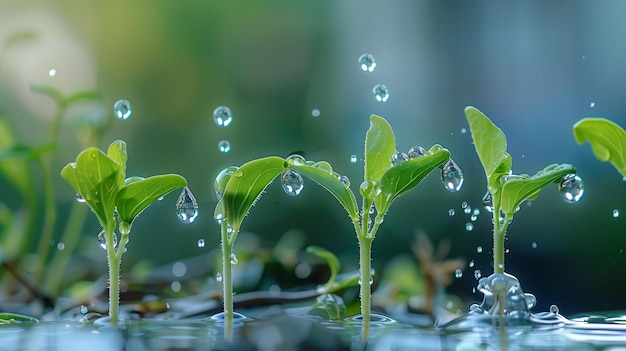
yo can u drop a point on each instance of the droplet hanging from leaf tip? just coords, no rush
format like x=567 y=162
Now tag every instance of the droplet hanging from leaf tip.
x=186 y=207
x=292 y=182
x=572 y=188
x=452 y=176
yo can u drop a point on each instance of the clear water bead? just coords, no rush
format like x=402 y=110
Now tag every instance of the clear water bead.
x=469 y=226
x=102 y=240
x=52 y=72
x=452 y=176
x=186 y=207
x=399 y=157
x=222 y=116
x=79 y=197
x=315 y=112
x=416 y=151
x=615 y=213
x=592 y=104
x=488 y=202
x=353 y=159
x=223 y=146
x=219 y=185
x=451 y=212
x=572 y=188
x=479 y=249
x=122 y=109
x=201 y=243
x=233 y=258
x=458 y=273
x=295 y=160
x=381 y=93
x=344 y=180
x=292 y=182
x=533 y=245
x=367 y=62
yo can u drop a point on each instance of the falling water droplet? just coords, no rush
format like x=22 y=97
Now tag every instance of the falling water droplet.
x=615 y=213
x=52 y=72
x=367 y=62
x=469 y=226
x=477 y=274
x=60 y=246
x=467 y=210
x=399 y=157
x=471 y=264
x=488 y=202
x=479 y=249
x=416 y=151
x=463 y=130
x=233 y=258
x=592 y=104
x=463 y=204
x=572 y=188
x=292 y=182
x=381 y=93
x=186 y=207
x=223 y=146
x=218 y=277
x=451 y=212
x=353 y=159
x=533 y=245
x=451 y=176
x=315 y=112
x=200 y=243
x=458 y=273
x=122 y=109
x=222 y=116
x=79 y=197
x=102 y=241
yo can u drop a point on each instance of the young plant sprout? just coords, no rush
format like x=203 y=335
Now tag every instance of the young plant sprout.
x=388 y=174
x=100 y=181
x=607 y=139
x=505 y=193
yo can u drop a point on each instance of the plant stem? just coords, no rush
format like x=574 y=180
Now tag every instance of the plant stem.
x=227 y=282
x=114 y=278
x=365 y=264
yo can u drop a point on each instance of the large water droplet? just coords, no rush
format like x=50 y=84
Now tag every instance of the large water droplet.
x=102 y=240
x=451 y=176
x=122 y=109
x=52 y=72
x=416 y=151
x=295 y=160
x=223 y=146
x=201 y=243
x=367 y=62
x=381 y=93
x=222 y=179
x=399 y=157
x=186 y=207
x=292 y=182
x=572 y=188
x=222 y=116
x=79 y=197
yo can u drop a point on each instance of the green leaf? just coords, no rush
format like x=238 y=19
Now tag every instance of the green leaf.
x=520 y=189
x=330 y=182
x=139 y=194
x=246 y=185
x=14 y=318
x=117 y=152
x=405 y=176
x=607 y=139
x=330 y=259
x=97 y=178
x=380 y=145
x=490 y=144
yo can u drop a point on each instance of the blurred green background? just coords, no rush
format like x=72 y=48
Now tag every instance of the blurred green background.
x=534 y=67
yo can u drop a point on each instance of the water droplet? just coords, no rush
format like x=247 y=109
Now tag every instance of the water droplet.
x=175 y=286
x=353 y=159
x=200 y=243
x=463 y=130
x=473 y=218
x=122 y=109
x=463 y=204
x=572 y=188
x=500 y=265
x=323 y=165
x=218 y=277
x=367 y=62
x=554 y=309
x=476 y=211
x=315 y=112
x=458 y=273
x=84 y=309
x=399 y=157
x=223 y=146
x=592 y=104
x=451 y=176
x=477 y=274
x=533 y=245
x=222 y=116
x=61 y=246
x=179 y=269
x=219 y=185
x=381 y=93
x=344 y=180
x=295 y=160
x=233 y=258
x=102 y=241
x=371 y=280
x=160 y=198
x=79 y=197
x=467 y=210
x=451 y=212
x=292 y=182
x=124 y=228
x=416 y=151
x=186 y=207
x=615 y=213
x=469 y=226
x=52 y=72
x=479 y=249
x=471 y=263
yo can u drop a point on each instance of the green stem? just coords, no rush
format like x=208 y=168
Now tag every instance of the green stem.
x=227 y=282
x=365 y=264
x=499 y=235
x=114 y=278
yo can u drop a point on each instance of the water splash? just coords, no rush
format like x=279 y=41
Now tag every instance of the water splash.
x=122 y=109
x=223 y=146
x=292 y=182
x=452 y=176
x=469 y=226
x=572 y=188
x=503 y=295
x=222 y=116
x=381 y=93
x=367 y=62
x=186 y=207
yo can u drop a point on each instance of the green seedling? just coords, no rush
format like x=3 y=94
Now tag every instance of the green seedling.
x=507 y=191
x=100 y=181
x=607 y=139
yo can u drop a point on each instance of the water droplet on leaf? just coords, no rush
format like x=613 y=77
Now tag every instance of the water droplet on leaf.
x=452 y=176
x=416 y=151
x=399 y=157
x=572 y=188
x=381 y=93
x=295 y=160
x=219 y=185
x=222 y=116
x=122 y=109
x=186 y=207
x=292 y=182
x=344 y=180
x=79 y=197
x=367 y=62
x=223 y=146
